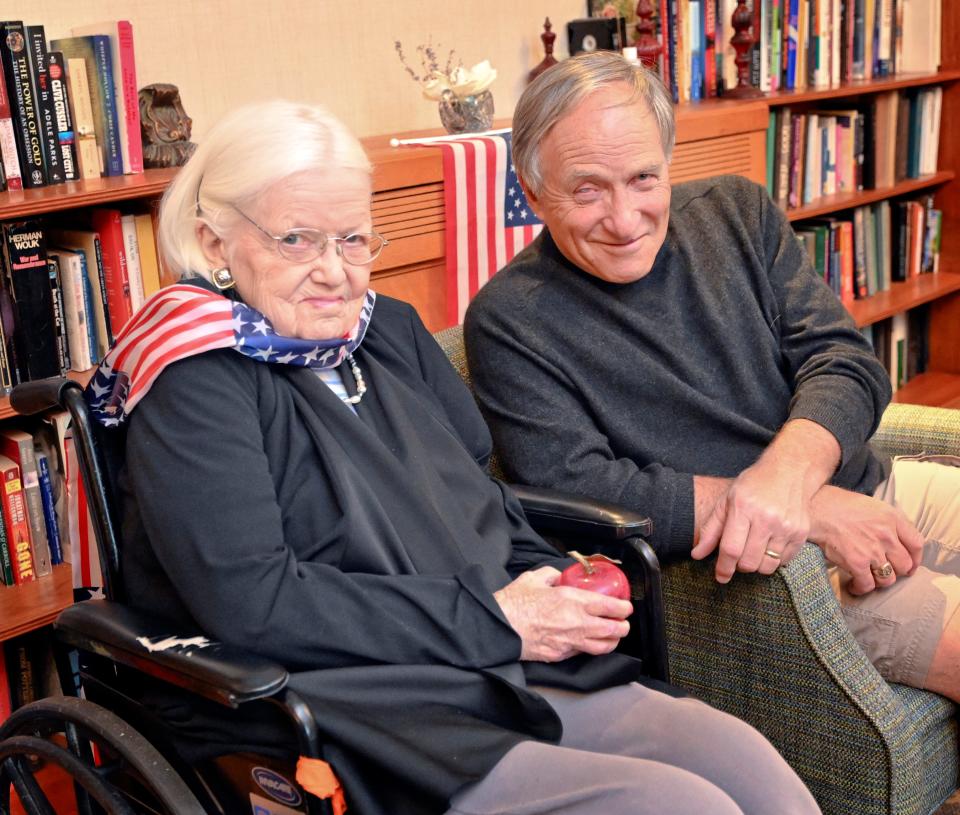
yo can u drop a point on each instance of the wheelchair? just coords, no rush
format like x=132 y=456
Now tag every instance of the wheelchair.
x=123 y=758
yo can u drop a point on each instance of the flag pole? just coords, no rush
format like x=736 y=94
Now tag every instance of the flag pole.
x=426 y=140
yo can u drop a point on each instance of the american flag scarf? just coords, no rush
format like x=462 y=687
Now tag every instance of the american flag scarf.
x=182 y=320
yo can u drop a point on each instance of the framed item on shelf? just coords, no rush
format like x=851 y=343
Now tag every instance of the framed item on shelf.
x=595 y=34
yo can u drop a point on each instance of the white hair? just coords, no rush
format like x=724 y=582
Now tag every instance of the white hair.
x=247 y=151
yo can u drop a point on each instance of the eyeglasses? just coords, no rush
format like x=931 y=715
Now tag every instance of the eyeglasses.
x=304 y=245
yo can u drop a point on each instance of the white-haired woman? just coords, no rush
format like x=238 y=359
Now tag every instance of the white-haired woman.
x=305 y=479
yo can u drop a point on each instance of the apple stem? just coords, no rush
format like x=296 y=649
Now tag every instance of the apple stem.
x=583 y=561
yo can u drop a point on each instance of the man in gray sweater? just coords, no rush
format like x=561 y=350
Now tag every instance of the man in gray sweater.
x=673 y=350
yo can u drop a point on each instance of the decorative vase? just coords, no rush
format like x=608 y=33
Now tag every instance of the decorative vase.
x=466 y=114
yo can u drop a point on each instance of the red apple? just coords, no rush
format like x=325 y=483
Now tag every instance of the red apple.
x=596 y=573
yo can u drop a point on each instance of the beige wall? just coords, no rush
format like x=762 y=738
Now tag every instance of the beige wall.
x=222 y=53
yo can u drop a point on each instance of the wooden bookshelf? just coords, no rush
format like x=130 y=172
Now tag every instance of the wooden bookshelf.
x=934 y=388
x=17 y=204
x=32 y=605
x=7 y=412
x=865 y=86
x=848 y=200
x=903 y=297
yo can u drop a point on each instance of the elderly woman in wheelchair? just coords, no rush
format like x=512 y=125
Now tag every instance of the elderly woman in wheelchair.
x=303 y=478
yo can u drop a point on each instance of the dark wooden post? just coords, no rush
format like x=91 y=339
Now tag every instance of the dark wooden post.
x=742 y=40
x=547 y=38
x=648 y=48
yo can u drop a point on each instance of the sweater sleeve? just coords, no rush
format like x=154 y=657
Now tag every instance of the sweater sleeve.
x=207 y=501
x=548 y=435
x=837 y=380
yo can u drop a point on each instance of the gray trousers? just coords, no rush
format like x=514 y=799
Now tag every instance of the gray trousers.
x=631 y=750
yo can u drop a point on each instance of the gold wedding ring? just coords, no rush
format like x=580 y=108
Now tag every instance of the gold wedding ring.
x=882 y=571
x=771 y=553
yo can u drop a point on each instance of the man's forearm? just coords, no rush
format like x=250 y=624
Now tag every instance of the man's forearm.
x=805 y=450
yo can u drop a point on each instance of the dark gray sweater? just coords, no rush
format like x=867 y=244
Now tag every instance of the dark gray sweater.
x=624 y=392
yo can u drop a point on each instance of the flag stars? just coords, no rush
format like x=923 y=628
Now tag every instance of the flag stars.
x=261 y=326
x=287 y=358
x=512 y=192
x=264 y=353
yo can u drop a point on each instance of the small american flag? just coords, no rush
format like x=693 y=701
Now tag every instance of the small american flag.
x=182 y=320
x=488 y=219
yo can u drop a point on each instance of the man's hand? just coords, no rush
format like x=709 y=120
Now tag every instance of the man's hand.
x=558 y=622
x=856 y=532
x=762 y=518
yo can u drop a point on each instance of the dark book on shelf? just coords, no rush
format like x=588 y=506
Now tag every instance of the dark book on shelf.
x=918 y=341
x=40 y=83
x=5 y=707
x=28 y=284
x=28 y=658
x=49 y=506
x=6 y=557
x=57 y=70
x=59 y=319
x=16 y=71
x=903 y=138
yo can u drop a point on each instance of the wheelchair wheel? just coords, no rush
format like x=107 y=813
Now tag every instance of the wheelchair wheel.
x=114 y=770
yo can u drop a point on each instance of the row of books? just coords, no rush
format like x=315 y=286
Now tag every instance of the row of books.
x=875 y=245
x=69 y=287
x=901 y=344
x=69 y=107
x=820 y=152
x=797 y=44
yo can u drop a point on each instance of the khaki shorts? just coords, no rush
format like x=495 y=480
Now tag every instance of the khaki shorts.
x=900 y=627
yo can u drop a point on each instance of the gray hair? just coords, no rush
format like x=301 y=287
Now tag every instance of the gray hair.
x=554 y=93
x=250 y=149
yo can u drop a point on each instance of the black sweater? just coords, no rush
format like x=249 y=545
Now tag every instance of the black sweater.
x=624 y=392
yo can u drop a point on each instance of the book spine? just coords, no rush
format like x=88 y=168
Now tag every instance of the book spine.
x=6 y=566
x=40 y=84
x=59 y=324
x=131 y=250
x=26 y=122
x=81 y=111
x=108 y=224
x=8 y=139
x=104 y=300
x=18 y=527
x=131 y=99
x=793 y=33
x=5 y=707
x=75 y=309
x=49 y=510
x=34 y=337
x=114 y=154
x=61 y=112
x=88 y=309
x=34 y=503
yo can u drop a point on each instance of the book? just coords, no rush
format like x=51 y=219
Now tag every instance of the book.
x=76 y=308
x=49 y=507
x=6 y=558
x=87 y=243
x=59 y=327
x=131 y=246
x=109 y=226
x=8 y=140
x=149 y=262
x=40 y=83
x=18 y=525
x=5 y=707
x=120 y=33
x=17 y=445
x=56 y=69
x=94 y=50
x=16 y=72
x=28 y=284
x=89 y=158
x=920 y=36
x=26 y=659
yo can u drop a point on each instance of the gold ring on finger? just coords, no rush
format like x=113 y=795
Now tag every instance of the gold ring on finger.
x=884 y=570
x=771 y=553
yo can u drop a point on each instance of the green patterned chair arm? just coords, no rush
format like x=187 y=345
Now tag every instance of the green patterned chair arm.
x=776 y=652
x=910 y=429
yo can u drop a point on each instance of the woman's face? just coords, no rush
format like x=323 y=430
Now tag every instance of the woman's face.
x=316 y=300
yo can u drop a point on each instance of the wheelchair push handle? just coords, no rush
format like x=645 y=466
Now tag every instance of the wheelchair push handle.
x=44 y=394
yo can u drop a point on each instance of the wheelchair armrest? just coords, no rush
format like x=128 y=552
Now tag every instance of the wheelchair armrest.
x=223 y=673
x=568 y=514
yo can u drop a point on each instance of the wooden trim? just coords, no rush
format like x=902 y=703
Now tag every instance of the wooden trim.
x=32 y=605
x=849 y=200
x=863 y=86
x=902 y=297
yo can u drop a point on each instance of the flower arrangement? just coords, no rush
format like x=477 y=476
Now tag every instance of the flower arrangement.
x=453 y=77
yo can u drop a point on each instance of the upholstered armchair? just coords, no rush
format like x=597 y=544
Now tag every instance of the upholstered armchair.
x=776 y=652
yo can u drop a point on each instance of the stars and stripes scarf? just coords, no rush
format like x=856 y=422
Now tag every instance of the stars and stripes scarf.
x=182 y=320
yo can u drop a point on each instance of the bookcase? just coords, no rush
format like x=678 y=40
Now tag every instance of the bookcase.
x=36 y=604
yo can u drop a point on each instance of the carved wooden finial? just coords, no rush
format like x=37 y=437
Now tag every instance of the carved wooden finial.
x=648 y=48
x=547 y=38
x=742 y=41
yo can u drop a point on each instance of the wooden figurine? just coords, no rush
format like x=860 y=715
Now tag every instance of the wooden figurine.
x=547 y=37
x=742 y=41
x=164 y=127
x=648 y=48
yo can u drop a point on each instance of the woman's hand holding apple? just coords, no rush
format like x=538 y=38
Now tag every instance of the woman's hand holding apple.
x=556 y=622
